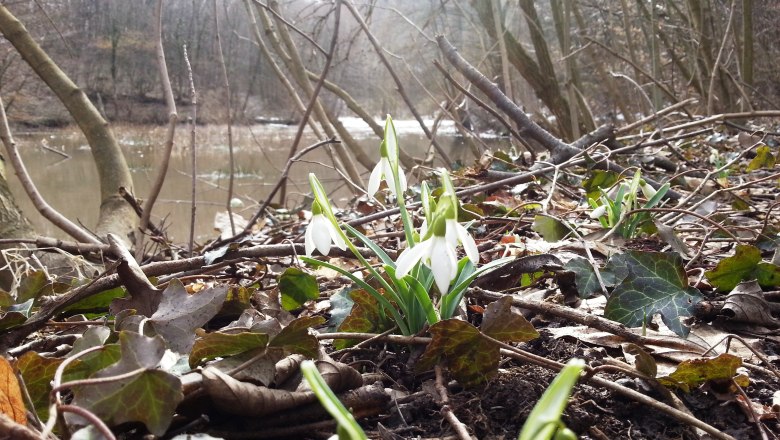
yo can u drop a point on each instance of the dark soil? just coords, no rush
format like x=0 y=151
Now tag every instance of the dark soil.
x=498 y=409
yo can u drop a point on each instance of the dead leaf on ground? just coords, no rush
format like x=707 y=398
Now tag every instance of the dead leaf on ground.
x=11 y=402
x=180 y=313
x=242 y=398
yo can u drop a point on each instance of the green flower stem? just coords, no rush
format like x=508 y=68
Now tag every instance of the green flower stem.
x=365 y=286
x=331 y=403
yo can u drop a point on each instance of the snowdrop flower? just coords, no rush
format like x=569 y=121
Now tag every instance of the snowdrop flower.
x=387 y=169
x=437 y=252
x=647 y=189
x=321 y=232
x=598 y=212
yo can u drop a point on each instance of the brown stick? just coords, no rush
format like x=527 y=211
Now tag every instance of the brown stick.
x=400 y=86
x=40 y=204
x=559 y=150
x=170 y=103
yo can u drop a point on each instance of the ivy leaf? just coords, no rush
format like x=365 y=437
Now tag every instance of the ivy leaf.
x=599 y=179
x=98 y=303
x=31 y=285
x=763 y=159
x=296 y=287
x=295 y=337
x=500 y=323
x=585 y=277
x=149 y=397
x=180 y=313
x=744 y=265
x=365 y=317
x=549 y=228
x=214 y=345
x=470 y=358
x=656 y=283
x=694 y=372
x=37 y=372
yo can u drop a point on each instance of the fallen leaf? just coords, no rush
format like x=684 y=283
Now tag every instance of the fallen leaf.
x=694 y=372
x=746 y=304
x=763 y=159
x=149 y=396
x=217 y=344
x=549 y=228
x=744 y=265
x=499 y=322
x=11 y=402
x=365 y=317
x=296 y=287
x=470 y=358
x=656 y=283
x=296 y=338
x=180 y=313
x=245 y=399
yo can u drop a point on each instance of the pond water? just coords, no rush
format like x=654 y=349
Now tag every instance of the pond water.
x=70 y=185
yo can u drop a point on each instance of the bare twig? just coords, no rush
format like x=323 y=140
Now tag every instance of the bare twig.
x=314 y=96
x=399 y=85
x=229 y=120
x=170 y=103
x=291 y=26
x=716 y=64
x=446 y=410
x=193 y=163
x=40 y=204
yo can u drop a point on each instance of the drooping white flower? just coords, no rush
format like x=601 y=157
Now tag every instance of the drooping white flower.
x=435 y=252
x=384 y=171
x=387 y=169
x=598 y=212
x=647 y=189
x=321 y=233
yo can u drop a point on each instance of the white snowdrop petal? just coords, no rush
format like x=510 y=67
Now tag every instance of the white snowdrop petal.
x=443 y=264
x=309 y=239
x=410 y=256
x=374 y=180
x=320 y=234
x=469 y=245
x=598 y=212
x=402 y=178
x=336 y=236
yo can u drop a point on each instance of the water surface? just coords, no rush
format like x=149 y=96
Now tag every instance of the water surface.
x=71 y=185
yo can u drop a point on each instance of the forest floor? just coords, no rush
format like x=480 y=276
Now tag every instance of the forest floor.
x=676 y=317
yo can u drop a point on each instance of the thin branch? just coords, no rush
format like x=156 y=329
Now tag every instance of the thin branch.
x=399 y=85
x=314 y=96
x=291 y=26
x=193 y=163
x=716 y=64
x=170 y=103
x=228 y=109
x=37 y=199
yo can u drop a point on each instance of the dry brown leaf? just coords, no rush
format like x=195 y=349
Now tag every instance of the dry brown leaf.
x=11 y=403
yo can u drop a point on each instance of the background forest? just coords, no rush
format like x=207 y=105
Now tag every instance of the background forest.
x=614 y=59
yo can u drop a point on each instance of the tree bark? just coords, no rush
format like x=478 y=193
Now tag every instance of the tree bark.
x=115 y=214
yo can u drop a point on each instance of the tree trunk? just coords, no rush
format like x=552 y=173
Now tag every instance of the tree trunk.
x=13 y=224
x=115 y=214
